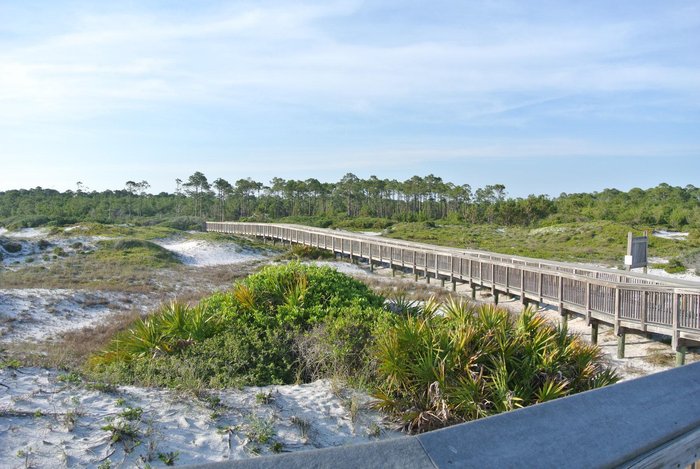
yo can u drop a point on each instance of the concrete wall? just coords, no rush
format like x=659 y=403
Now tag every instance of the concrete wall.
x=648 y=422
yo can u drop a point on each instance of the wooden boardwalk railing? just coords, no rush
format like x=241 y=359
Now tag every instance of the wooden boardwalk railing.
x=626 y=301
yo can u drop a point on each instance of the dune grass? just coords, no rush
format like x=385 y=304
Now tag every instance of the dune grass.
x=600 y=241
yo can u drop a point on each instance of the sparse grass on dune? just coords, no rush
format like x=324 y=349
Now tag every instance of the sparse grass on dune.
x=70 y=350
x=584 y=242
x=83 y=272
x=134 y=251
x=116 y=231
x=119 y=265
x=130 y=265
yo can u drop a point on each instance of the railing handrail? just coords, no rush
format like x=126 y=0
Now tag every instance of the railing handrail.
x=503 y=259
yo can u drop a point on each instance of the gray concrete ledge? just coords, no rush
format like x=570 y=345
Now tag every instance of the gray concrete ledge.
x=398 y=453
x=616 y=426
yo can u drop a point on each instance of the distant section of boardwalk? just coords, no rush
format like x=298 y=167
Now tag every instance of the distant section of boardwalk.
x=626 y=301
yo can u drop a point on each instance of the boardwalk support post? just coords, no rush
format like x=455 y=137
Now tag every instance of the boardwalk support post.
x=680 y=355
x=621 y=343
x=495 y=297
x=454 y=285
x=442 y=282
x=564 y=318
x=594 y=332
x=473 y=291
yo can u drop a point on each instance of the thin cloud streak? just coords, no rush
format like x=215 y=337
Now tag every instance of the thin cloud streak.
x=387 y=84
x=282 y=55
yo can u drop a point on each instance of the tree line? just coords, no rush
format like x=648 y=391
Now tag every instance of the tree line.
x=427 y=198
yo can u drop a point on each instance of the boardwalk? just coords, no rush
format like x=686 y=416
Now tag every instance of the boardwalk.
x=626 y=301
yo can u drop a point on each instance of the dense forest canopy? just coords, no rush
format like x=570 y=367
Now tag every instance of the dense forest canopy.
x=311 y=201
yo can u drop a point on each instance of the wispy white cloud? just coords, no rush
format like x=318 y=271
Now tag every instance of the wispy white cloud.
x=287 y=55
x=280 y=86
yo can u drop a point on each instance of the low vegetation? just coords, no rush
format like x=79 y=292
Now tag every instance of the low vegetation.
x=584 y=241
x=251 y=335
x=135 y=251
x=440 y=364
x=131 y=261
x=428 y=364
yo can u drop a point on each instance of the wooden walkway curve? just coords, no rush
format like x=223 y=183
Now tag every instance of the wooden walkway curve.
x=626 y=301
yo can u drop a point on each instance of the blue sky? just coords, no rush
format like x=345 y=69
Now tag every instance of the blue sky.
x=542 y=96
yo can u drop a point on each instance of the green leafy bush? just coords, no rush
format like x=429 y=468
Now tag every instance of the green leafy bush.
x=173 y=327
x=436 y=370
x=364 y=223
x=674 y=266
x=183 y=223
x=11 y=247
x=340 y=345
x=300 y=251
x=248 y=336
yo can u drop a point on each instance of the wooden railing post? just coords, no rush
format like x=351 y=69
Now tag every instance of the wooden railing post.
x=675 y=339
x=619 y=331
x=643 y=310
x=415 y=271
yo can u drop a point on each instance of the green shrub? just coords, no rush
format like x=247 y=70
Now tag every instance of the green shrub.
x=436 y=370
x=292 y=295
x=11 y=247
x=135 y=251
x=364 y=223
x=172 y=328
x=247 y=336
x=340 y=346
x=184 y=223
x=318 y=221
x=300 y=251
x=674 y=266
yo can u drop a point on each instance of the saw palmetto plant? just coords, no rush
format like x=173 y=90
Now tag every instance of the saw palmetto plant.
x=456 y=362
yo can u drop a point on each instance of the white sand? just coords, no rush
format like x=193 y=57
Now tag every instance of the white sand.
x=53 y=423
x=33 y=252
x=670 y=234
x=35 y=314
x=199 y=253
x=690 y=274
x=25 y=233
